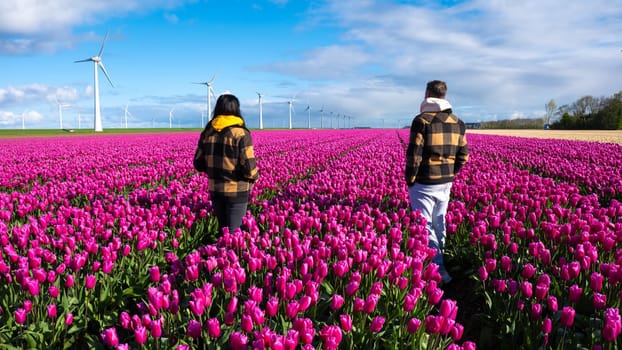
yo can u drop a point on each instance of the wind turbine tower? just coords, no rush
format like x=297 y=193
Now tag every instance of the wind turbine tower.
x=321 y=117
x=261 y=112
x=309 y=118
x=291 y=109
x=210 y=93
x=60 y=112
x=126 y=115
x=170 y=118
x=97 y=62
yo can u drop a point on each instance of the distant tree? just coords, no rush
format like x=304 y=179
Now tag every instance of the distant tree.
x=550 y=110
x=561 y=110
x=522 y=123
x=567 y=121
x=609 y=117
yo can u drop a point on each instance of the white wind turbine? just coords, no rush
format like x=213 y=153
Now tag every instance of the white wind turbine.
x=291 y=109
x=321 y=117
x=126 y=115
x=309 y=118
x=60 y=112
x=210 y=93
x=24 y=120
x=260 y=111
x=97 y=61
x=170 y=118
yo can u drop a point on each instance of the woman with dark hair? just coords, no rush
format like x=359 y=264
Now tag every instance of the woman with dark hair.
x=225 y=153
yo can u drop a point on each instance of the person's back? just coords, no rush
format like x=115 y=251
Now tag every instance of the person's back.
x=437 y=150
x=229 y=163
x=443 y=141
x=225 y=152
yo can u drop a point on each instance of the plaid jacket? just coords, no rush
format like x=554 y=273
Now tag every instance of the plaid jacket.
x=437 y=148
x=228 y=159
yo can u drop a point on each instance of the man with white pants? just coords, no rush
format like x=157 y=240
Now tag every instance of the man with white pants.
x=437 y=150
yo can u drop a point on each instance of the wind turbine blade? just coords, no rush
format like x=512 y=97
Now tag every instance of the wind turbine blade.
x=213 y=77
x=84 y=60
x=101 y=50
x=101 y=65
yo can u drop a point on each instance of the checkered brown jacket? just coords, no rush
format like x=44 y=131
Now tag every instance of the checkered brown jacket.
x=229 y=161
x=437 y=148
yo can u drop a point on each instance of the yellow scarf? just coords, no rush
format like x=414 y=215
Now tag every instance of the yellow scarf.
x=223 y=121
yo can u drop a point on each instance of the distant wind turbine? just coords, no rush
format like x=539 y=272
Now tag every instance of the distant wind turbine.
x=97 y=61
x=309 y=118
x=291 y=109
x=60 y=112
x=23 y=120
x=321 y=117
x=210 y=93
x=260 y=112
x=170 y=118
x=126 y=115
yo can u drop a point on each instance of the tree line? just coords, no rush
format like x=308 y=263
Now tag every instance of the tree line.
x=588 y=112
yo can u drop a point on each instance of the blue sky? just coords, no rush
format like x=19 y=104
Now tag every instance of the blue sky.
x=365 y=59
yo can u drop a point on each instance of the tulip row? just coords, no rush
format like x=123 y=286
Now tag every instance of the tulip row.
x=593 y=167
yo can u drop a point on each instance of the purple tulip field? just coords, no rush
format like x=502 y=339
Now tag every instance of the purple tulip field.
x=108 y=242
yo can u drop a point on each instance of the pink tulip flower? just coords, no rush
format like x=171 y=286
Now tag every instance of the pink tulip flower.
x=89 y=281
x=51 y=309
x=599 y=301
x=20 y=316
x=155 y=328
x=345 y=320
x=110 y=337
x=596 y=281
x=213 y=328
x=336 y=302
x=68 y=319
x=194 y=329
x=377 y=323
x=567 y=316
x=613 y=325
x=575 y=293
x=238 y=341
x=413 y=325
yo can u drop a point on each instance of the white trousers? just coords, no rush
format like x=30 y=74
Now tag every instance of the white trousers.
x=432 y=201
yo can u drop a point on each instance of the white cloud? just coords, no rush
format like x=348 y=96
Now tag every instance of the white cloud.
x=326 y=63
x=13 y=119
x=36 y=93
x=505 y=58
x=171 y=18
x=44 y=25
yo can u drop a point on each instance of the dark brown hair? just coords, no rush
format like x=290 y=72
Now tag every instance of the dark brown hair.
x=436 y=88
